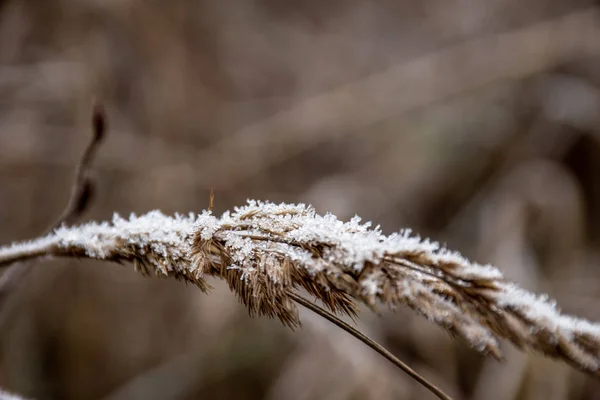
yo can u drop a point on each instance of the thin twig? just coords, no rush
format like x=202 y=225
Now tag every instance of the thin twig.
x=369 y=342
x=79 y=200
x=83 y=187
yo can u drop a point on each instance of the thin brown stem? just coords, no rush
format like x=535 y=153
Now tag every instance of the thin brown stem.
x=83 y=186
x=79 y=200
x=369 y=342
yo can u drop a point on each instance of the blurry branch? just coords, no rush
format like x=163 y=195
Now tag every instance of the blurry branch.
x=437 y=188
x=543 y=141
x=548 y=191
x=422 y=81
x=81 y=194
x=419 y=82
x=434 y=186
x=83 y=187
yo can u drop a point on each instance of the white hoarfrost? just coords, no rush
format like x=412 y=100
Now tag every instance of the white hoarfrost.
x=259 y=237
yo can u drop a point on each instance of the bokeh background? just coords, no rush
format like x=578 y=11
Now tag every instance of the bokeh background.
x=476 y=123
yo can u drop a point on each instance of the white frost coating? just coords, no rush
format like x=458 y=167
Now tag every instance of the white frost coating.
x=371 y=284
x=207 y=224
x=165 y=238
x=266 y=242
x=30 y=246
x=544 y=311
x=351 y=244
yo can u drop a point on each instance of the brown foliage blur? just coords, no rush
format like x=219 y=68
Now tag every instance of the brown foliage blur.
x=473 y=122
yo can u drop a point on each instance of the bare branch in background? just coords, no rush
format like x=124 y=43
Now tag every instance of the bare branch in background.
x=422 y=81
x=83 y=188
x=81 y=195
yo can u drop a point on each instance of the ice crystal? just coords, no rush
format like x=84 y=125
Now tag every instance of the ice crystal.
x=266 y=250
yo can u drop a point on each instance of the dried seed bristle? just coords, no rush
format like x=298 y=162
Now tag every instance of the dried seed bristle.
x=266 y=251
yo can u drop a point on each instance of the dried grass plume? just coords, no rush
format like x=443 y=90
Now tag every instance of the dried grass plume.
x=266 y=252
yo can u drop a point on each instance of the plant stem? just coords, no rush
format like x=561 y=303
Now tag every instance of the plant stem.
x=369 y=342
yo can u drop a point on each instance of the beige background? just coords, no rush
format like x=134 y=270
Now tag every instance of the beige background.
x=473 y=122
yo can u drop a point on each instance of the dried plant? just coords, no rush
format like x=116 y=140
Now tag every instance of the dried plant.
x=268 y=252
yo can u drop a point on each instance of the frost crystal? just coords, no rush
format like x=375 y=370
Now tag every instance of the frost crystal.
x=265 y=251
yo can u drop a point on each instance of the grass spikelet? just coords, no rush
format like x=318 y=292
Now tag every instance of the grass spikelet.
x=265 y=252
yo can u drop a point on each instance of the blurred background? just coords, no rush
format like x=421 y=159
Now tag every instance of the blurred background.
x=476 y=123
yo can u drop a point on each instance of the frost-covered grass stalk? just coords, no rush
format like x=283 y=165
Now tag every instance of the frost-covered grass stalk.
x=266 y=251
